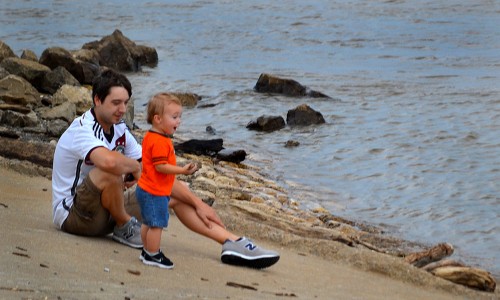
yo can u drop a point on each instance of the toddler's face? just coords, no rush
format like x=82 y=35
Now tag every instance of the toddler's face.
x=170 y=120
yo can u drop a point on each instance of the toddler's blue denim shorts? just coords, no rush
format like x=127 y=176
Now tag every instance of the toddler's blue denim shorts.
x=154 y=209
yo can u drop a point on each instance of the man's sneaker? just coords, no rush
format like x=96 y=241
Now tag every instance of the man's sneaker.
x=244 y=252
x=129 y=234
x=158 y=260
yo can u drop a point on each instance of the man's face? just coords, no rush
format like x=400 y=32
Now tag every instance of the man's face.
x=113 y=108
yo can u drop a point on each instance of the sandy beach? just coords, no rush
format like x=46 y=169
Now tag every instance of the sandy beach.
x=40 y=262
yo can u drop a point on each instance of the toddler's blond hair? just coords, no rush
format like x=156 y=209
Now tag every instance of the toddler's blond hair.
x=157 y=104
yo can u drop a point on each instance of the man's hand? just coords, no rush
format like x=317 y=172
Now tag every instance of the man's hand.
x=207 y=215
x=130 y=179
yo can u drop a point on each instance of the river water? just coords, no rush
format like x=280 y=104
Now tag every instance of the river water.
x=412 y=137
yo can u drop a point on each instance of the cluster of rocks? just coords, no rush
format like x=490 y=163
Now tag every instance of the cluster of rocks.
x=302 y=115
x=43 y=95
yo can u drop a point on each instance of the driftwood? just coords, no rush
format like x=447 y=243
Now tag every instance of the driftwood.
x=442 y=263
x=470 y=277
x=200 y=147
x=420 y=259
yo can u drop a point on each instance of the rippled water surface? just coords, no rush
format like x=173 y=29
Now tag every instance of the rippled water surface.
x=412 y=136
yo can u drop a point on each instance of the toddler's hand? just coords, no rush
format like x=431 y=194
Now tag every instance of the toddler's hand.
x=190 y=168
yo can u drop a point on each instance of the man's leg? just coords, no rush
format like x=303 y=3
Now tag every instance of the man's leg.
x=111 y=187
x=235 y=250
x=187 y=215
x=127 y=230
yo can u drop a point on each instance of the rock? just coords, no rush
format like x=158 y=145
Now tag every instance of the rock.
x=83 y=71
x=29 y=55
x=291 y=143
x=78 y=95
x=235 y=156
x=204 y=184
x=148 y=57
x=7 y=132
x=65 y=111
x=32 y=71
x=16 y=90
x=304 y=115
x=267 y=123
x=3 y=73
x=200 y=147
x=87 y=55
x=16 y=119
x=57 y=78
x=316 y=94
x=17 y=108
x=188 y=99
x=35 y=152
x=210 y=130
x=120 y=53
x=56 y=127
x=272 y=84
x=5 y=51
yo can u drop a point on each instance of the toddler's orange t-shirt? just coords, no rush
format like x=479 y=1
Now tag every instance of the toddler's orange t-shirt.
x=157 y=149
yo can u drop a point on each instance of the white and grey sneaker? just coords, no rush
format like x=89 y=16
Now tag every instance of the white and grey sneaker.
x=244 y=252
x=129 y=234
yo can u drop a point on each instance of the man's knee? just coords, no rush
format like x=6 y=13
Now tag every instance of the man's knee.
x=104 y=180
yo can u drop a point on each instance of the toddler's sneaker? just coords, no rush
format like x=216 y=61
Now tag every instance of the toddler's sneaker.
x=158 y=260
x=244 y=252
x=142 y=255
x=129 y=234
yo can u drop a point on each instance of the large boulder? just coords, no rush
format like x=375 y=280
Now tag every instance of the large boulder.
x=304 y=115
x=17 y=90
x=83 y=71
x=272 y=84
x=32 y=71
x=5 y=51
x=120 y=53
x=267 y=123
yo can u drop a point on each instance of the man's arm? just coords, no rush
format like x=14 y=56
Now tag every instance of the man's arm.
x=114 y=162
x=181 y=192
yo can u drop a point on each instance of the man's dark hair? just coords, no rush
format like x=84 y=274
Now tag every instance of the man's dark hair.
x=106 y=80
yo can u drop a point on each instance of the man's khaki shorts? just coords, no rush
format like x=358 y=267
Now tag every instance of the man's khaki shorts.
x=88 y=217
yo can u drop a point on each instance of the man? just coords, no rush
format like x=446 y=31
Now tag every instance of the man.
x=97 y=158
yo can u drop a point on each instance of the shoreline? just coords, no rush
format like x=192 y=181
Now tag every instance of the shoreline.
x=338 y=268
